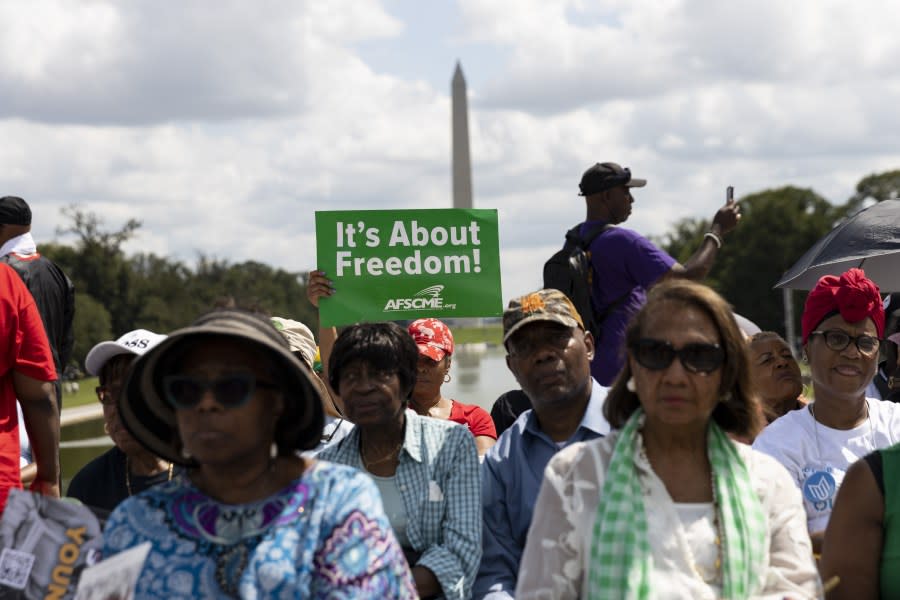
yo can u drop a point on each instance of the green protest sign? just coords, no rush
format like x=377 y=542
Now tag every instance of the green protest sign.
x=390 y=265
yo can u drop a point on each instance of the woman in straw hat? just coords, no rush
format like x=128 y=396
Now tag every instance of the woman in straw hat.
x=226 y=398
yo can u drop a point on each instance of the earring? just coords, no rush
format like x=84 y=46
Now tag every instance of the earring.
x=273 y=450
x=447 y=377
x=630 y=385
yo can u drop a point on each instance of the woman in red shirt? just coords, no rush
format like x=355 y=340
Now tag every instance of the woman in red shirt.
x=435 y=343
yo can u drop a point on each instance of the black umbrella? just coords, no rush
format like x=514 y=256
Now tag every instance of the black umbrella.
x=870 y=240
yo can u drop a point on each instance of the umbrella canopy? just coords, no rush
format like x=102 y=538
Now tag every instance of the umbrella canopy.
x=870 y=240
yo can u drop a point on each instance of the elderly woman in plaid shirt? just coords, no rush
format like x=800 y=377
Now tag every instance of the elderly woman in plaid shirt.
x=669 y=506
x=426 y=469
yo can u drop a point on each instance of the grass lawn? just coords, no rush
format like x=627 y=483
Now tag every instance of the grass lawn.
x=84 y=395
x=491 y=334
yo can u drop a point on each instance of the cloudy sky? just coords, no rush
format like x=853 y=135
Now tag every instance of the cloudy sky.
x=223 y=126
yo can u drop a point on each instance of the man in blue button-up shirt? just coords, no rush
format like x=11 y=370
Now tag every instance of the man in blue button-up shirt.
x=549 y=352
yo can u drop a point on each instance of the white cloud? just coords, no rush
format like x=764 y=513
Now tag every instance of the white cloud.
x=224 y=127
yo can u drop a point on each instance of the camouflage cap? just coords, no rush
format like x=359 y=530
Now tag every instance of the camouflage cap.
x=542 y=305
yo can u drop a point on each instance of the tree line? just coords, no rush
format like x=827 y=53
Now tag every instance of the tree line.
x=116 y=293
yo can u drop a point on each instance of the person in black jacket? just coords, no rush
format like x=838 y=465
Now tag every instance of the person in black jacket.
x=53 y=291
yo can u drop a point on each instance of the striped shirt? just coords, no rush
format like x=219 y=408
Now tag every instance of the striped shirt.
x=439 y=480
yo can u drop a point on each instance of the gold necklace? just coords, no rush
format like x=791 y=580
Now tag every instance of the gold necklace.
x=385 y=458
x=128 y=474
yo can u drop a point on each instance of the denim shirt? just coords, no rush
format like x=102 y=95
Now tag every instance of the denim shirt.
x=510 y=480
x=438 y=478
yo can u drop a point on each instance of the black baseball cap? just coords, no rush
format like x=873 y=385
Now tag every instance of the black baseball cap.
x=14 y=211
x=605 y=176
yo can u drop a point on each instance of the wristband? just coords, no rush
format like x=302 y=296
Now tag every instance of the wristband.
x=716 y=239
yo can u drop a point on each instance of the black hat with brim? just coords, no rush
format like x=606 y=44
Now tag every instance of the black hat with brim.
x=606 y=176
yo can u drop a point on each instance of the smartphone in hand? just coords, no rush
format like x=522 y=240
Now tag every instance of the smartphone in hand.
x=729 y=193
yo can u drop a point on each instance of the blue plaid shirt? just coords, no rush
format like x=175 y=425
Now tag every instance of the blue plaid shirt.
x=511 y=477
x=438 y=478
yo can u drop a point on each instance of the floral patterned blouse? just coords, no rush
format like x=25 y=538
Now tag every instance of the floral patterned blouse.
x=324 y=535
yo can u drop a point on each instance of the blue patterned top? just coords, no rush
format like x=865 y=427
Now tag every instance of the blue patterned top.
x=440 y=483
x=324 y=535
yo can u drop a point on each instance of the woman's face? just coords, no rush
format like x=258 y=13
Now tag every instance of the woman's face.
x=212 y=431
x=371 y=397
x=774 y=370
x=430 y=376
x=674 y=396
x=108 y=395
x=841 y=373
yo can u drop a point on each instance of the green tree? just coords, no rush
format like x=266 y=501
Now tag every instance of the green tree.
x=92 y=325
x=877 y=187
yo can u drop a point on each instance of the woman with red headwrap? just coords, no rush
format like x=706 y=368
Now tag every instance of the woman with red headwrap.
x=843 y=322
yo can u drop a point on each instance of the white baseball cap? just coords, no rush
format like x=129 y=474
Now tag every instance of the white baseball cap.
x=134 y=342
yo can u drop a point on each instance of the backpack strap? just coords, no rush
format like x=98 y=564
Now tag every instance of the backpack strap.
x=574 y=237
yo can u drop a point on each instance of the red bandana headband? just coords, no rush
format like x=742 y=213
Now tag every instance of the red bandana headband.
x=852 y=294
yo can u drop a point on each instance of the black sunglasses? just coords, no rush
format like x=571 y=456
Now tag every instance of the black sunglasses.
x=230 y=391
x=657 y=355
x=837 y=340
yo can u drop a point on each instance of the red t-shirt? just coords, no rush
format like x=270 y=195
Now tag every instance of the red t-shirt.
x=25 y=350
x=474 y=417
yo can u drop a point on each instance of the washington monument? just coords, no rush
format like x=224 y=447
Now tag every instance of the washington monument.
x=462 y=164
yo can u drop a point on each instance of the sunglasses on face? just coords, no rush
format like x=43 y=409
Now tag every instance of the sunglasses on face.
x=837 y=340
x=657 y=355
x=230 y=391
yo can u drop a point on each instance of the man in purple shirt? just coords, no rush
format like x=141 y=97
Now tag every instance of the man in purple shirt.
x=626 y=264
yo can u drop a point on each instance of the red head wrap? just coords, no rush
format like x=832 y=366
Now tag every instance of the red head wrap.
x=852 y=294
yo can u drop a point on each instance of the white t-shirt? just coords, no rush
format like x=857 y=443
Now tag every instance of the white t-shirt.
x=818 y=468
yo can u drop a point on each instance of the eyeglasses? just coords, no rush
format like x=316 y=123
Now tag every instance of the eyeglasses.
x=657 y=355
x=837 y=340
x=230 y=391
x=108 y=394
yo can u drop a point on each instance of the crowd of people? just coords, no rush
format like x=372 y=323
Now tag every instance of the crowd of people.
x=670 y=454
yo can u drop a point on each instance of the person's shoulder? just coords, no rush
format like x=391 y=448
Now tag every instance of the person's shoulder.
x=325 y=471
x=430 y=425
x=507 y=443
x=97 y=471
x=883 y=409
x=340 y=449
x=788 y=425
x=472 y=412
x=591 y=454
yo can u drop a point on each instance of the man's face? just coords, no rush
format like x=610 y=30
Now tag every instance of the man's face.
x=618 y=202
x=551 y=362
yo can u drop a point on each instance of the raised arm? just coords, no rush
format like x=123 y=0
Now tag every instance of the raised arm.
x=319 y=286
x=697 y=267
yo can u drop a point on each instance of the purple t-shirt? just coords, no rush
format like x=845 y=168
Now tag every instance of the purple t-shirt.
x=623 y=260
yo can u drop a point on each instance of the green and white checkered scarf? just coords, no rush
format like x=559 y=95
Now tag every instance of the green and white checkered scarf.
x=620 y=552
